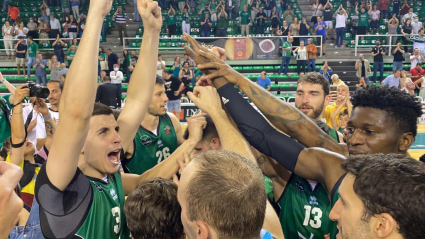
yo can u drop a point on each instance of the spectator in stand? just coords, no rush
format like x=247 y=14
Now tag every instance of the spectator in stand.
x=363 y=69
x=112 y=59
x=340 y=124
x=186 y=21
x=295 y=31
x=63 y=69
x=21 y=50
x=160 y=65
x=419 y=88
x=44 y=17
x=286 y=55
x=398 y=54
x=361 y=84
x=317 y=9
x=101 y=58
x=206 y=26
x=65 y=7
x=396 y=7
x=74 y=42
x=75 y=8
x=55 y=27
x=176 y=66
x=336 y=80
x=126 y=64
x=54 y=66
x=342 y=94
x=264 y=81
x=320 y=29
x=283 y=31
x=32 y=29
x=81 y=24
x=70 y=55
x=392 y=80
x=268 y=6
x=173 y=89
x=6 y=5
x=73 y=27
x=58 y=46
x=21 y=30
x=121 y=23
x=406 y=30
x=107 y=94
x=378 y=53
x=181 y=4
x=275 y=21
x=32 y=54
x=185 y=76
x=418 y=41
x=12 y=13
x=312 y=56
x=213 y=9
x=363 y=23
x=327 y=18
x=288 y=15
x=117 y=78
x=354 y=23
x=304 y=27
x=229 y=6
x=101 y=78
x=255 y=6
x=407 y=85
x=408 y=16
x=244 y=21
x=415 y=74
x=204 y=11
x=383 y=8
x=171 y=22
x=134 y=59
x=44 y=30
x=374 y=22
x=222 y=24
x=40 y=70
x=341 y=19
x=416 y=58
x=7 y=32
x=261 y=18
x=192 y=66
x=392 y=28
x=300 y=54
x=416 y=25
x=326 y=71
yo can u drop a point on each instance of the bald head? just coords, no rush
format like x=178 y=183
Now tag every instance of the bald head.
x=343 y=90
x=290 y=39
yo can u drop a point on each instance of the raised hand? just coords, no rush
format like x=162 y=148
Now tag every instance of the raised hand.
x=196 y=124
x=21 y=92
x=41 y=107
x=206 y=98
x=101 y=6
x=151 y=14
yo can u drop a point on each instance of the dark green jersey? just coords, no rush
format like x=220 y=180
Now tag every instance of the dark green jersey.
x=333 y=133
x=151 y=149
x=363 y=19
x=334 y=199
x=106 y=217
x=304 y=212
x=269 y=187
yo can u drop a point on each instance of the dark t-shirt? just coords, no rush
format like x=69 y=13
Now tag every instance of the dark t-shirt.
x=21 y=47
x=379 y=57
x=206 y=26
x=303 y=29
x=112 y=59
x=260 y=22
x=363 y=70
x=327 y=15
x=407 y=29
x=398 y=56
x=107 y=94
x=73 y=26
x=58 y=49
x=172 y=85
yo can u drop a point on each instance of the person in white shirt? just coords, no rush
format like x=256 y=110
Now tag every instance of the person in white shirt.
x=341 y=19
x=416 y=25
x=55 y=27
x=416 y=58
x=116 y=79
x=410 y=15
x=160 y=65
x=33 y=122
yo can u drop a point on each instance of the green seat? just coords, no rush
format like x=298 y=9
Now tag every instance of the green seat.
x=247 y=68
x=268 y=68
x=258 y=68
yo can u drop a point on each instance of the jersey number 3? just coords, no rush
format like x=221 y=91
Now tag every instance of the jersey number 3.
x=317 y=213
x=116 y=213
x=163 y=154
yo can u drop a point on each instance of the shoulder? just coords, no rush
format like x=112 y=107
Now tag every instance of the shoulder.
x=174 y=120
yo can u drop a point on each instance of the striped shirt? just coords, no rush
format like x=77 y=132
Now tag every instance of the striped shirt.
x=121 y=18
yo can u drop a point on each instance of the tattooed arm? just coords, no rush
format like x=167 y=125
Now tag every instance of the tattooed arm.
x=49 y=124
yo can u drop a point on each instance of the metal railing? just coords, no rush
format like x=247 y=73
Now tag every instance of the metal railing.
x=181 y=48
x=389 y=37
x=36 y=40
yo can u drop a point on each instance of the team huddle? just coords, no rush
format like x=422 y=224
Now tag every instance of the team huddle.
x=236 y=172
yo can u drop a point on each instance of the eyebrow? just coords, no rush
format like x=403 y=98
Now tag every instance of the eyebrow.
x=342 y=198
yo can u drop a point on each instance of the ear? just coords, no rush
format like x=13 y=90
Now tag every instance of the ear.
x=215 y=144
x=328 y=99
x=384 y=225
x=406 y=140
x=203 y=231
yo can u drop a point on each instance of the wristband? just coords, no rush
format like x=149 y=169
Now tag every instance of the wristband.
x=47 y=117
x=2 y=80
x=13 y=106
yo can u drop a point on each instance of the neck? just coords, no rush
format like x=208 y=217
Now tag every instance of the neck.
x=30 y=158
x=54 y=107
x=89 y=171
x=150 y=122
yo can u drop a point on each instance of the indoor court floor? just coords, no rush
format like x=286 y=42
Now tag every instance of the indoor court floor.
x=418 y=148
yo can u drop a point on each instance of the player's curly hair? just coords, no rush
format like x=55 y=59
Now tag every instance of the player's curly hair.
x=400 y=107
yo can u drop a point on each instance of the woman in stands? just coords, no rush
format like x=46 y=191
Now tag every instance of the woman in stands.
x=7 y=31
x=176 y=67
x=392 y=28
x=406 y=83
x=295 y=31
x=21 y=31
x=406 y=30
x=275 y=21
x=186 y=76
x=301 y=57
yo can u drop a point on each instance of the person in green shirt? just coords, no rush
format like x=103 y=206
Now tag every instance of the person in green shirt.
x=102 y=57
x=204 y=10
x=127 y=64
x=171 y=22
x=286 y=55
x=245 y=18
x=222 y=24
x=70 y=55
x=363 y=20
x=213 y=9
x=32 y=54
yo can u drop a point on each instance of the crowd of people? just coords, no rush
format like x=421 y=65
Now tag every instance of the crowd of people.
x=319 y=169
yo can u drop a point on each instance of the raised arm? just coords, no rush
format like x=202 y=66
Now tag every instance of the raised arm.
x=138 y=98
x=335 y=113
x=9 y=87
x=76 y=111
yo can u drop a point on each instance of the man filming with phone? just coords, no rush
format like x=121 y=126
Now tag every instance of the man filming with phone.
x=363 y=68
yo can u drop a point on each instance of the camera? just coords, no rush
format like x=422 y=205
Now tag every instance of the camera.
x=37 y=90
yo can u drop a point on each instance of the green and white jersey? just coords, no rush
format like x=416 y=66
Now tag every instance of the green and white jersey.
x=150 y=149
x=304 y=211
x=334 y=199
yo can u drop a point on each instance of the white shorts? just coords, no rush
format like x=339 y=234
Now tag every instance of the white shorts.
x=174 y=105
x=329 y=24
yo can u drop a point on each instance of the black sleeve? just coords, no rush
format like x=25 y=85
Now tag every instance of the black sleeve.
x=62 y=212
x=98 y=93
x=258 y=131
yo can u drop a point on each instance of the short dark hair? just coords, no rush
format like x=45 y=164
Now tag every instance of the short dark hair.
x=109 y=49
x=393 y=184
x=401 y=107
x=208 y=133
x=159 y=80
x=316 y=79
x=56 y=81
x=168 y=72
x=106 y=78
x=222 y=181
x=117 y=113
x=101 y=109
x=159 y=55
x=153 y=212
